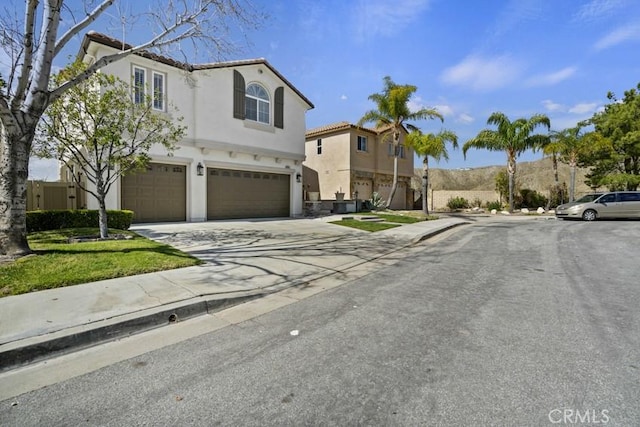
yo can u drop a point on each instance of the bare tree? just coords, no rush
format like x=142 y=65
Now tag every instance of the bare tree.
x=34 y=39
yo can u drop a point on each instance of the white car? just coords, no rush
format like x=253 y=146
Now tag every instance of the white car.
x=615 y=204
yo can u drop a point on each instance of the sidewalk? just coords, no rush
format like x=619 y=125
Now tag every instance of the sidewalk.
x=244 y=260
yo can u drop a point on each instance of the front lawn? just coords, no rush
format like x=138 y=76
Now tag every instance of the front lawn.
x=364 y=225
x=398 y=219
x=57 y=263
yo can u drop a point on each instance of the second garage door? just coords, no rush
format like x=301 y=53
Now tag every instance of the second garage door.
x=247 y=194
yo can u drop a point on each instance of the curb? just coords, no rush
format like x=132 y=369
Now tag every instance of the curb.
x=23 y=352
x=429 y=234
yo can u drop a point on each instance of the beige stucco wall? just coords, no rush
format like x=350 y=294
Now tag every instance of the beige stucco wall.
x=331 y=166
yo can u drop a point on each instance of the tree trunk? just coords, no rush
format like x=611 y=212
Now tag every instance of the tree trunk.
x=102 y=207
x=14 y=172
x=102 y=219
x=572 y=182
x=511 y=171
x=396 y=152
x=394 y=186
x=555 y=169
x=425 y=184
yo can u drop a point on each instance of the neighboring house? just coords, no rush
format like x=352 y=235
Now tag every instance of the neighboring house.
x=243 y=151
x=351 y=158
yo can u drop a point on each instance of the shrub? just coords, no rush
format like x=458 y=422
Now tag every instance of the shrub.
x=494 y=205
x=57 y=219
x=457 y=203
x=558 y=195
x=531 y=199
x=477 y=202
x=377 y=203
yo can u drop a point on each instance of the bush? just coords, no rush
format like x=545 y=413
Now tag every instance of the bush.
x=457 y=203
x=477 y=202
x=494 y=205
x=558 y=195
x=531 y=199
x=377 y=204
x=57 y=219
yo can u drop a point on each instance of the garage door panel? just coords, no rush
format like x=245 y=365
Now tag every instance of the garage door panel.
x=157 y=194
x=246 y=194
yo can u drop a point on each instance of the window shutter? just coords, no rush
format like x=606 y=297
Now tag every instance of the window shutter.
x=238 y=95
x=278 y=112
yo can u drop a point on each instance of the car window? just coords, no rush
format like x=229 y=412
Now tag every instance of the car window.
x=588 y=198
x=630 y=197
x=607 y=198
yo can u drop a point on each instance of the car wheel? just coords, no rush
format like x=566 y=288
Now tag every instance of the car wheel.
x=589 y=215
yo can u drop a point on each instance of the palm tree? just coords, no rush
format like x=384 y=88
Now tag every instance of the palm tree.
x=513 y=138
x=551 y=147
x=569 y=144
x=430 y=145
x=391 y=115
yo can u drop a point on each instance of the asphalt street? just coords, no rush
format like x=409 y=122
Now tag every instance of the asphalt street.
x=523 y=323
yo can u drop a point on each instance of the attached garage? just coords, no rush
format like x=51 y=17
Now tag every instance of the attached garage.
x=156 y=195
x=399 y=198
x=364 y=187
x=247 y=194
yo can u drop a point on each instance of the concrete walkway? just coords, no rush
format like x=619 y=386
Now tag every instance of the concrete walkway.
x=243 y=260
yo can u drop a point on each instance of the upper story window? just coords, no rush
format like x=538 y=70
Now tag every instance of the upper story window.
x=319 y=146
x=257 y=104
x=362 y=143
x=139 y=84
x=158 y=91
x=401 y=153
x=252 y=102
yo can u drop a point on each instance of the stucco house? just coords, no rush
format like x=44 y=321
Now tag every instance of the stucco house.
x=349 y=158
x=244 y=147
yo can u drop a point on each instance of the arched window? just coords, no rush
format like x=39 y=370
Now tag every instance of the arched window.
x=257 y=104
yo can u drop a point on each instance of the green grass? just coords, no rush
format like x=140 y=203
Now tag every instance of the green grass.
x=57 y=263
x=365 y=225
x=398 y=219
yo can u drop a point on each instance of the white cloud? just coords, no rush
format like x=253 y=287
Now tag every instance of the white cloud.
x=583 y=108
x=549 y=105
x=483 y=74
x=630 y=32
x=515 y=12
x=597 y=9
x=551 y=78
x=417 y=103
x=465 y=118
x=381 y=17
x=43 y=169
x=445 y=110
x=567 y=121
x=343 y=97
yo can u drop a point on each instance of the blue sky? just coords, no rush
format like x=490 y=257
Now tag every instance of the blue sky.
x=468 y=58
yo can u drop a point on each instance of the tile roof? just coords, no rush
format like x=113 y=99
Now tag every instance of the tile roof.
x=105 y=40
x=333 y=127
